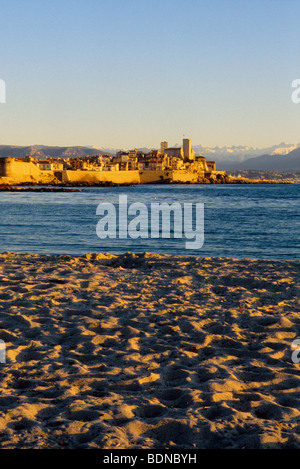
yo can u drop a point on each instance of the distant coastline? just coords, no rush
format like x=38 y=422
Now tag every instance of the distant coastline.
x=168 y=165
x=78 y=187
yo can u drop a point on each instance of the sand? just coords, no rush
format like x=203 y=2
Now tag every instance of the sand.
x=148 y=351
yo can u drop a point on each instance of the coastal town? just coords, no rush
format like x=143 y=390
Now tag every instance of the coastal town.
x=166 y=165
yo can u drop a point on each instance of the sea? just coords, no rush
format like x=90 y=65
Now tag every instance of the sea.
x=255 y=221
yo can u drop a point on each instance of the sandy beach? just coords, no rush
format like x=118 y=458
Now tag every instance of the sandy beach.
x=148 y=351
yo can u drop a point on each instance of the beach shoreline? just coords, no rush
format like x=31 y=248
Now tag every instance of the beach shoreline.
x=148 y=351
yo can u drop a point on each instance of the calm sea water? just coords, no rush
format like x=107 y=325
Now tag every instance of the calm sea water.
x=241 y=221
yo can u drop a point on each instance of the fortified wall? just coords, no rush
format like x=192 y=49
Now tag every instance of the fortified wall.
x=140 y=177
x=95 y=177
x=18 y=171
x=21 y=171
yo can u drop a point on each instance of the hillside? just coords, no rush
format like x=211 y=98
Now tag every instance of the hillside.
x=43 y=152
x=289 y=162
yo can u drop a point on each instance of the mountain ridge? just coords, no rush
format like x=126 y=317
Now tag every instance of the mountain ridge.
x=288 y=162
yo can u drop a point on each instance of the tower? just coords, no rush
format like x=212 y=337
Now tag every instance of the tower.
x=163 y=147
x=187 y=148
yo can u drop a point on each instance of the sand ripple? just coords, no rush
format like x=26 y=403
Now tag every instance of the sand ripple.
x=148 y=351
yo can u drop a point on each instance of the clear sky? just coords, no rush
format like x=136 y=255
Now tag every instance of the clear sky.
x=130 y=73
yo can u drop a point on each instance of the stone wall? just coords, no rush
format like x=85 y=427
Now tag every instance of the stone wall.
x=181 y=175
x=13 y=171
x=22 y=171
x=151 y=176
x=94 y=177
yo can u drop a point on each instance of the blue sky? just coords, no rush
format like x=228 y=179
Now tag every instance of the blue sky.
x=130 y=73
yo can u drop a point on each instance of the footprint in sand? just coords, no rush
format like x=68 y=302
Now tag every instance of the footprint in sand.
x=151 y=411
x=175 y=397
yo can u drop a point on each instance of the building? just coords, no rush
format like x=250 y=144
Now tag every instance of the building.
x=211 y=165
x=185 y=152
x=176 y=163
x=51 y=165
x=175 y=152
x=163 y=147
x=188 y=152
x=202 y=163
x=44 y=165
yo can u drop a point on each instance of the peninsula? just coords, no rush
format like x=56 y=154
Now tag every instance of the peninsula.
x=178 y=165
x=167 y=165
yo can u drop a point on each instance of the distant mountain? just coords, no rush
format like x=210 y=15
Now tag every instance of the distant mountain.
x=44 y=152
x=289 y=162
x=242 y=153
